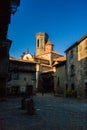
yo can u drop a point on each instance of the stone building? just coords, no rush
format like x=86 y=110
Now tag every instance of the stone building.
x=41 y=39
x=50 y=69
x=48 y=80
x=44 y=58
x=70 y=72
x=59 y=66
x=76 y=67
x=44 y=50
x=22 y=73
x=41 y=63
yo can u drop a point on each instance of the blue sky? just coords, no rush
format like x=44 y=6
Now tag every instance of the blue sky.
x=65 y=21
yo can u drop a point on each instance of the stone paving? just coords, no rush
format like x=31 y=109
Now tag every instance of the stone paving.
x=52 y=113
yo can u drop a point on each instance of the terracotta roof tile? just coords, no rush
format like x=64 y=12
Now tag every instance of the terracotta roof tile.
x=61 y=58
x=49 y=43
x=43 y=53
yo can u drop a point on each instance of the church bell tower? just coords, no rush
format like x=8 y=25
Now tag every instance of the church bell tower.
x=41 y=40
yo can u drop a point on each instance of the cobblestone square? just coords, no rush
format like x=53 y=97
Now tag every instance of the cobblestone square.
x=52 y=113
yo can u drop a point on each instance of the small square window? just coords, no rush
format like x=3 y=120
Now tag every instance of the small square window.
x=15 y=76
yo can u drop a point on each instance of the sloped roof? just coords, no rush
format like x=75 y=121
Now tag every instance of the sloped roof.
x=12 y=58
x=59 y=60
x=47 y=52
x=63 y=58
x=49 y=43
x=77 y=42
x=20 y=60
x=28 y=61
x=41 y=58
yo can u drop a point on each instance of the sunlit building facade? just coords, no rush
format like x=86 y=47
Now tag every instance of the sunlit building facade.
x=76 y=67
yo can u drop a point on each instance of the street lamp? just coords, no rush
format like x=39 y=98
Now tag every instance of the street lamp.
x=14 y=5
x=7 y=7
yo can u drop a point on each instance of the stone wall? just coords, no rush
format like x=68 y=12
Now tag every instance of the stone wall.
x=60 y=79
x=76 y=67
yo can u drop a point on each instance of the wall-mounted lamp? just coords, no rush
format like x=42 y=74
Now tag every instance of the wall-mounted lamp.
x=14 y=5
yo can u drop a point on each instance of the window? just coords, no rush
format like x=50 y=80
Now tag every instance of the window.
x=33 y=77
x=72 y=71
x=15 y=76
x=71 y=54
x=66 y=86
x=45 y=40
x=58 y=81
x=9 y=77
x=85 y=62
x=27 y=57
x=72 y=87
x=24 y=79
x=85 y=66
x=38 y=43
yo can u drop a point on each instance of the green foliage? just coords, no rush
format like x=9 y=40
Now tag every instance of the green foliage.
x=71 y=93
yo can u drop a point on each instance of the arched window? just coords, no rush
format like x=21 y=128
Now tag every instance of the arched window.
x=38 y=43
